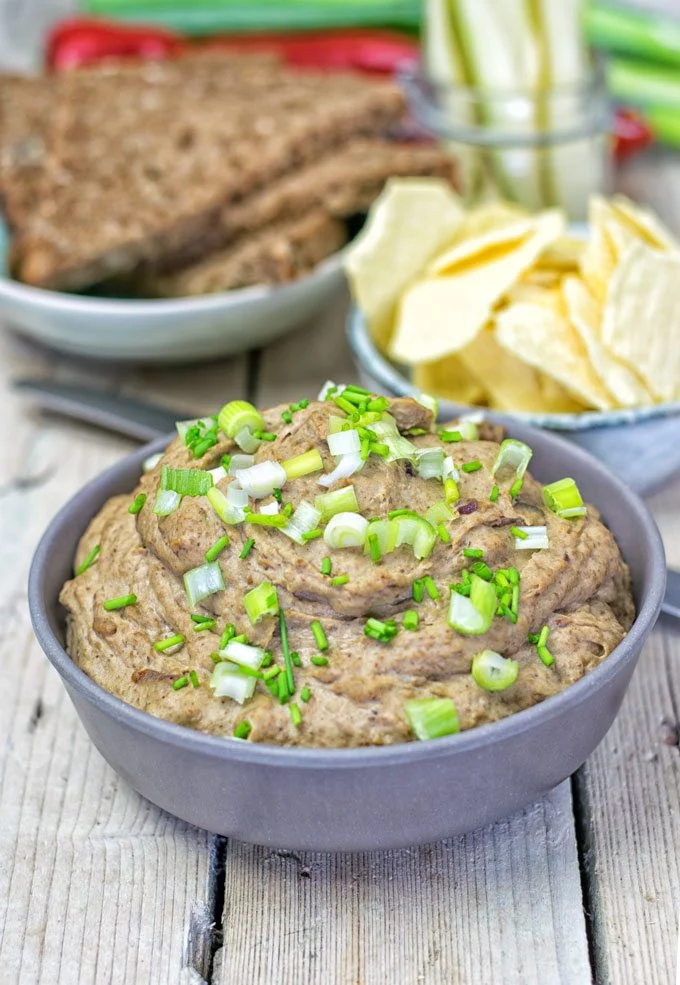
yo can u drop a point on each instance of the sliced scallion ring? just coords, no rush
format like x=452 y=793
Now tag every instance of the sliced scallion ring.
x=493 y=672
x=431 y=403
x=262 y=479
x=430 y=463
x=260 y=602
x=563 y=497
x=417 y=533
x=305 y=518
x=385 y=534
x=203 y=581
x=226 y=511
x=227 y=682
x=166 y=502
x=301 y=465
x=338 y=501
x=238 y=416
x=186 y=482
x=472 y=615
x=243 y=654
x=535 y=538
x=512 y=460
x=346 y=530
x=344 y=442
x=432 y=718
x=346 y=466
x=237 y=462
x=438 y=513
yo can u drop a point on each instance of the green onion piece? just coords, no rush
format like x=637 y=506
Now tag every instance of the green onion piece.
x=431 y=588
x=516 y=487
x=512 y=460
x=417 y=533
x=228 y=634
x=266 y=520
x=247 y=547
x=443 y=534
x=545 y=655
x=260 y=602
x=379 y=448
x=89 y=560
x=193 y=677
x=326 y=566
x=533 y=638
x=267 y=659
x=482 y=569
x=203 y=581
x=339 y=580
x=290 y=680
x=374 y=548
x=319 y=661
x=295 y=657
x=300 y=465
x=270 y=673
x=451 y=491
x=542 y=638
x=353 y=388
x=474 y=466
x=381 y=631
x=287 y=509
x=431 y=403
x=214 y=552
x=418 y=590
x=472 y=552
x=473 y=615
x=282 y=688
x=264 y=435
x=239 y=415
x=516 y=532
x=507 y=612
x=216 y=658
x=186 y=482
x=136 y=504
x=277 y=494
x=514 y=604
x=513 y=576
x=394 y=514
x=167 y=644
x=112 y=604
x=166 y=502
x=438 y=513
x=432 y=718
x=305 y=693
x=319 y=634
x=204 y=624
x=450 y=436
x=493 y=672
x=343 y=404
x=225 y=462
x=312 y=534
x=180 y=683
x=410 y=620
x=287 y=417
x=295 y=715
x=564 y=498
x=494 y=494
x=243 y=729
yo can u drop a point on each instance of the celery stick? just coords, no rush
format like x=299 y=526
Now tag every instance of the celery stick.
x=500 y=48
x=632 y=32
x=640 y=84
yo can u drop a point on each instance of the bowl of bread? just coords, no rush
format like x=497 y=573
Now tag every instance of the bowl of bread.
x=191 y=207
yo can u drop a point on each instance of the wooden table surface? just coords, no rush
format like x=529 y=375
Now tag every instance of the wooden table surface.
x=99 y=886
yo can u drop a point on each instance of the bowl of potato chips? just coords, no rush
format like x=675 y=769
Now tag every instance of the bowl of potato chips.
x=526 y=317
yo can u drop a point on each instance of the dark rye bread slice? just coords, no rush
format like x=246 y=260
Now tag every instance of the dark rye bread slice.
x=274 y=255
x=343 y=182
x=137 y=170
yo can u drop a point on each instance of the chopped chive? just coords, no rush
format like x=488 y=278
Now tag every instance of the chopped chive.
x=287 y=417
x=516 y=487
x=205 y=624
x=494 y=494
x=270 y=673
x=199 y=617
x=264 y=435
x=265 y=519
x=482 y=569
x=472 y=552
x=225 y=462
x=305 y=693
x=326 y=566
x=545 y=655
x=249 y=671
x=319 y=661
x=214 y=552
x=443 y=533
x=501 y=579
x=243 y=729
x=465 y=576
x=312 y=535
x=353 y=388
x=339 y=580
x=180 y=683
x=287 y=509
x=303 y=404
x=374 y=547
x=282 y=688
x=247 y=548
x=273 y=688
x=286 y=652
x=365 y=449
x=516 y=532
x=474 y=466
x=410 y=620
x=89 y=560
x=533 y=638
x=513 y=576
x=228 y=634
x=193 y=677
x=451 y=491
x=241 y=638
x=343 y=404
x=378 y=404
x=393 y=514
x=514 y=605
x=379 y=448
x=418 y=590
x=542 y=638
x=112 y=604
x=216 y=658
x=295 y=715
x=267 y=659
x=319 y=634
x=277 y=494
x=507 y=611
x=384 y=632
x=295 y=657
x=168 y=642
x=431 y=588
x=450 y=436
x=136 y=504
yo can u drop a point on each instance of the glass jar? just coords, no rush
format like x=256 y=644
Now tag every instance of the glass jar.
x=539 y=147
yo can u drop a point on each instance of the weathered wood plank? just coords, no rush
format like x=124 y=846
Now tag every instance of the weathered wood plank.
x=96 y=884
x=500 y=906
x=630 y=794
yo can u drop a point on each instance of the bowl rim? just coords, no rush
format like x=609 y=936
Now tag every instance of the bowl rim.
x=315 y=758
x=386 y=373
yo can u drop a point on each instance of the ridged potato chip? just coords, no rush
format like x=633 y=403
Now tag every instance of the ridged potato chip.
x=450 y=379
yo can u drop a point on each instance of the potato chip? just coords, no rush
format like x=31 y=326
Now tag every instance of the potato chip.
x=487 y=217
x=487 y=246
x=644 y=224
x=443 y=314
x=641 y=320
x=562 y=255
x=510 y=383
x=411 y=222
x=585 y=315
x=448 y=378
x=540 y=335
x=599 y=258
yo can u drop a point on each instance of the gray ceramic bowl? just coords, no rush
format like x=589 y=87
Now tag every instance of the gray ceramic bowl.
x=642 y=446
x=358 y=798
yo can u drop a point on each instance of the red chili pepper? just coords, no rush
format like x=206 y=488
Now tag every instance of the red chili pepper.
x=81 y=41
x=631 y=134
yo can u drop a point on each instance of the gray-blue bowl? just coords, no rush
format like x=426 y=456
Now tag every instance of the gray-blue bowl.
x=641 y=445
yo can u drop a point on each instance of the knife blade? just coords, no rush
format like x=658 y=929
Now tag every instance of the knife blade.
x=145 y=421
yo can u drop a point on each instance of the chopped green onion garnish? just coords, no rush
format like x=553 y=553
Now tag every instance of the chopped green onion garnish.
x=264 y=435
x=374 y=548
x=277 y=494
x=260 y=602
x=295 y=657
x=493 y=672
x=473 y=615
x=438 y=513
x=443 y=534
x=300 y=465
x=180 y=683
x=381 y=631
x=287 y=417
x=513 y=576
x=305 y=693
x=474 y=466
x=343 y=404
x=543 y=636
x=451 y=491
x=312 y=534
x=136 y=504
x=247 y=547
x=516 y=487
x=393 y=514
x=282 y=688
x=512 y=460
x=112 y=604
x=185 y=482
x=214 y=552
x=267 y=520
x=319 y=661
x=89 y=560
x=450 y=436
x=472 y=552
x=237 y=416
x=204 y=624
x=295 y=715
x=340 y=580
x=161 y=645
x=339 y=501
x=514 y=604
x=564 y=498
x=319 y=634
x=216 y=658
x=410 y=619
x=228 y=634
x=432 y=718
x=518 y=532
x=243 y=730
x=494 y=494
x=482 y=569
x=545 y=655
x=225 y=462
x=326 y=566
x=418 y=590
x=193 y=677
x=533 y=638
x=203 y=581
x=290 y=681
x=379 y=448
x=431 y=588
x=287 y=509
x=270 y=673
